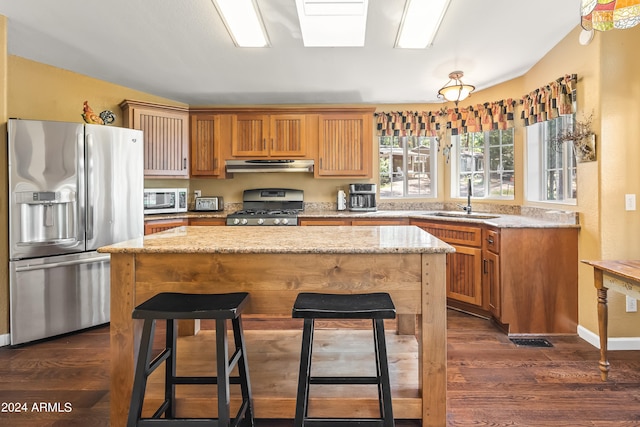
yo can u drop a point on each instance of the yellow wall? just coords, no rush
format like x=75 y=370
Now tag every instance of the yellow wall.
x=607 y=87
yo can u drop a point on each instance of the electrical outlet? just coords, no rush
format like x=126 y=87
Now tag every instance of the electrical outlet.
x=198 y=193
x=632 y=304
x=630 y=202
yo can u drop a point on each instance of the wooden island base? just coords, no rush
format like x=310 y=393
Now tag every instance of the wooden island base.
x=274 y=267
x=273 y=367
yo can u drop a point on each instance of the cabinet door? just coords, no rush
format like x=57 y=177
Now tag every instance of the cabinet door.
x=205 y=145
x=207 y=221
x=286 y=133
x=381 y=221
x=345 y=145
x=166 y=141
x=464 y=275
x=249 y=135
x=491 y=278
x=152 y=226
x=324 y=221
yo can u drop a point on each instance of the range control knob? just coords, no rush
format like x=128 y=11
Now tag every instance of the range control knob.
x=285 y=221
x=260 y=221
x=244 y=221
x=276 y=221
x=236 y=221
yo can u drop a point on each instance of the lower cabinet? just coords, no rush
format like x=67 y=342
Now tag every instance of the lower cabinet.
x=208 y=221
x=353 y=222
x=156 y=225
x=526 y=279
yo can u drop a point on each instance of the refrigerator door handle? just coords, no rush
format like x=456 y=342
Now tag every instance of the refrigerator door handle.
x=63 y=263
x=90 y=186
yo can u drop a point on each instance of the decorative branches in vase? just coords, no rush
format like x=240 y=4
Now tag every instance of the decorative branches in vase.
x=582 y=138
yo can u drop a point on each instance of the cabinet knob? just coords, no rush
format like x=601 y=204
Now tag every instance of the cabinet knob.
x=490 y=240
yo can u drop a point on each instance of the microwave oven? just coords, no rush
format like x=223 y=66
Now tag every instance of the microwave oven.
x=165 y=200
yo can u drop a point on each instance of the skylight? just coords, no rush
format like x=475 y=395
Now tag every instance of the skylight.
x=420 y=23
x=333 y=23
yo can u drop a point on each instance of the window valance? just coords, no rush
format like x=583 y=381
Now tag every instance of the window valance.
x=545 y=103
x=481 y=117
x=550 y=101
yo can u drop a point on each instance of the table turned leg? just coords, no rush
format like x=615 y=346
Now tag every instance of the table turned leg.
x=603 y=316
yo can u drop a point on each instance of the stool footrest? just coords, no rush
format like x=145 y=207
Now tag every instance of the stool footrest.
x=344 y=380
x=202 y=380
x=342 y=422
x=178 y=422
x=166 y=353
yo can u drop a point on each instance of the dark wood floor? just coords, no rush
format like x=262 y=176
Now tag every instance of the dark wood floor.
x=491 y=382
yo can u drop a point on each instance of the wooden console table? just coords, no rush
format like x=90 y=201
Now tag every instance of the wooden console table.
x=619 y=276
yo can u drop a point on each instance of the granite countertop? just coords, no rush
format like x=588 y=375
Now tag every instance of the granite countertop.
x=499 y=220
x=526 y=217
x=292 y=240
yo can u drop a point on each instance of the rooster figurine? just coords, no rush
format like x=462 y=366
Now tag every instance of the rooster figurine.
x=89 y=116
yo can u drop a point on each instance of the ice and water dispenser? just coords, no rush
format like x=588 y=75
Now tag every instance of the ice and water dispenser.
x=47 y=217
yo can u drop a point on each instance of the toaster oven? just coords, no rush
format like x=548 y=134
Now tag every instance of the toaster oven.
x=165 y=200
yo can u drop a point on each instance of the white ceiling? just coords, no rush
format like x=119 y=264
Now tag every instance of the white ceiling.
x=179 y=49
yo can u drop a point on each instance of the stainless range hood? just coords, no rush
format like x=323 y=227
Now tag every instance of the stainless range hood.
x=264 y=165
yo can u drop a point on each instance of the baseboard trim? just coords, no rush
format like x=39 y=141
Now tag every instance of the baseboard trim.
x=5 y=339
x=624 y=343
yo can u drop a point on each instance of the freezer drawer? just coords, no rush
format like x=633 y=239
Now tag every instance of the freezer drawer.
x=55 y=295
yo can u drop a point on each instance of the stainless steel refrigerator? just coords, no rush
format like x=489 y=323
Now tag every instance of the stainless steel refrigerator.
x=72 y=188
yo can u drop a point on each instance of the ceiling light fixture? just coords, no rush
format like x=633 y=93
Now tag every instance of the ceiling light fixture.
x=243 y=21
x=420 y=23
x=455 y=90
x=332 y=23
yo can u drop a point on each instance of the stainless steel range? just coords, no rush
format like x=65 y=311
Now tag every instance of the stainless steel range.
x=268 y=206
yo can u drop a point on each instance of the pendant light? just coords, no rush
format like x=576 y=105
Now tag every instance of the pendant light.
x=455 y=90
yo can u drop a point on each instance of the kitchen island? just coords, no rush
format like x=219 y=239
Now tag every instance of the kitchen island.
x=274 y=264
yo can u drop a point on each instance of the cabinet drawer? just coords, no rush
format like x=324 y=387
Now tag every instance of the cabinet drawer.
x=492 y=241
x=454 y=234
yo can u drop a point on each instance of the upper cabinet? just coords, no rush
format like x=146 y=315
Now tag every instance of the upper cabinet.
x=166 y=137
x=268 y=135
x=345 y=143
x=210 y=136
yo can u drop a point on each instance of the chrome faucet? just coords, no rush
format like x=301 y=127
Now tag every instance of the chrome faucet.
x=467 y=208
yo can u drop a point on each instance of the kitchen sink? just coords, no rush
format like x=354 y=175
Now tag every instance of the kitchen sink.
x=464 y=215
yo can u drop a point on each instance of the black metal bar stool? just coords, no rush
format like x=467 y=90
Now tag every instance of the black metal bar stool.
x=173 y=306
x=375 y=306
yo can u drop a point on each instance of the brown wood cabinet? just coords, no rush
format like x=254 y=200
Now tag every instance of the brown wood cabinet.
x=208 y=221
x=491 y=270
x=526 y=279
x=157 y=225
x=353 y=221
x=166 y=137
x=268 y=135
x=345 y=142
x=464 y=266
x=210 y=138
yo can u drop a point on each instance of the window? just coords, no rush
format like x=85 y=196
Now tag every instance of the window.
x=551 y=167
x=485 y=158
x=407 y=166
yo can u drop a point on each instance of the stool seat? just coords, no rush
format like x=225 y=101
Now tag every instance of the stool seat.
x=344 y=306
x=375 y=306
x=173 y=305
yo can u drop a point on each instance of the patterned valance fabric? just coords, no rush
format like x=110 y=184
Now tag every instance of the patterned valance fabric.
x=545 y=103
x=550 y=101
x=488 y=116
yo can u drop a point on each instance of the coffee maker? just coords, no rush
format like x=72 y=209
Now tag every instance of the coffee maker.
x=362 y=197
